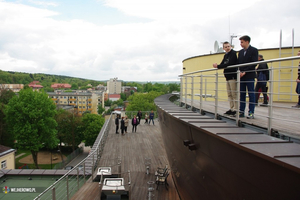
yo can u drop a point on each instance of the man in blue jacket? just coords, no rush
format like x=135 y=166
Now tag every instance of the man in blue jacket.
x=246 y=55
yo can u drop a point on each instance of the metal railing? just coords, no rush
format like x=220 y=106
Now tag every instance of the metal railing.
x=73 y=180
x=204 y=88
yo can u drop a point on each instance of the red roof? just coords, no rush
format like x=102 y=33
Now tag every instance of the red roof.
x=114 y=96
x=61 y=85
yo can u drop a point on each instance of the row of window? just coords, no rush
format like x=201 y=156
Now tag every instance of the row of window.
x=65 y=97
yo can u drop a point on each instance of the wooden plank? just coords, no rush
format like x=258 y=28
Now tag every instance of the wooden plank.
x=133 y=148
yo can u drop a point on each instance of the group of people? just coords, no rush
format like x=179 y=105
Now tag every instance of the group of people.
x=135 y=121
x=248 y=74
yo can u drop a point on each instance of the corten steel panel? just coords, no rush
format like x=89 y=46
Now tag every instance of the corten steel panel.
x=221 y=168
x=252 y=138
x=207 y=120
x=194 y=117
x=230 y=131
x=213 y=125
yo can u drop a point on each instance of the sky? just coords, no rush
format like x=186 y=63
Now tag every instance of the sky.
x=133 y=40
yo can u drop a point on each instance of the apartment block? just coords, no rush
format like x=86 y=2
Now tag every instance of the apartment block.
x=114 y=86
x=81 y=101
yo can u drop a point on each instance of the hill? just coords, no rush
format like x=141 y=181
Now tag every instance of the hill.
x=9 y=77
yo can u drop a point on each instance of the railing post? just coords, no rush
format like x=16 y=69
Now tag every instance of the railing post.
x=201 y=92
x=205 y=89
x=270 y=110
x=192 y=93
x=181 y=89
x=53 y=194
x=185 y=92
x=238 y=87
x=216 y=96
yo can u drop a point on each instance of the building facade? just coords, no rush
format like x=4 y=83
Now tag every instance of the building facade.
x=7 y=157
x=114 y=86
x=81 y=101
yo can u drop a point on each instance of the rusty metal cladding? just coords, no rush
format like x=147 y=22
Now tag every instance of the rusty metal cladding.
x=212 y=159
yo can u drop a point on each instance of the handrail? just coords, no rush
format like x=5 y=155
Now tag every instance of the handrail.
x=97 y=145
x=245 y=64
x=200 y=81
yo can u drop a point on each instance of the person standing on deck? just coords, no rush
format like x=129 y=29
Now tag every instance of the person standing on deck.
x=139 y=116
x=151 y=117
x=262 y=75
x=117 y=123
x=122 y=125
x=146 y=119
x=246 y=55
x=134 y=123
x=298 y=85
x=229 y=58
x=126 y=122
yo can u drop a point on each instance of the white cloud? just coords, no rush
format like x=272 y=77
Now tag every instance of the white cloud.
x=32 y=41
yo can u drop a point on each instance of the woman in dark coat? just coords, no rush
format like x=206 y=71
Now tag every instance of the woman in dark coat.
x=134 y=123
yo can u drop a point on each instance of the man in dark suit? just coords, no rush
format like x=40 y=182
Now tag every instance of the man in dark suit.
x=246 y=55
x=229 y=58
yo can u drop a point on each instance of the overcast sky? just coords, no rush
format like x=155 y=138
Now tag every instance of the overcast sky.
x=134 y=40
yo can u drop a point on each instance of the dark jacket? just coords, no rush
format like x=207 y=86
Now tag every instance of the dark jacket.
x=229 y=58
x=263 y=68
x=132 y=121
x=139 y=115
x=250 y=56
x=117 y=121
x=122 y=124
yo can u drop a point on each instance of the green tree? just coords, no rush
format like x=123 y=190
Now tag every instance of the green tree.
x=30 y=118
x=5 y=137
x=74 y=86
x=69 y=128
x=107 y=102
x=143 y=102
x=92 y=124
x=123 y=96
x=100 y=109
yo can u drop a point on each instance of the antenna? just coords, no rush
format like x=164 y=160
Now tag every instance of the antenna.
x=216 y=47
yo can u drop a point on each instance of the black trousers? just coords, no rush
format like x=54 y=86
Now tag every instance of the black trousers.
x=134 y=127
x=117 y=128
x=263 y=87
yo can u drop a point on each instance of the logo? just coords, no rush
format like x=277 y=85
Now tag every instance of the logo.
x=6 y=189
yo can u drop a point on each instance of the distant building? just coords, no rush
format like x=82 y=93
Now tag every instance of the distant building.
x=7 y=157
x=80 y=101
x=114 y=97
x=61 y=85
x=13 y=87
x=35 y=85
x=114 y=86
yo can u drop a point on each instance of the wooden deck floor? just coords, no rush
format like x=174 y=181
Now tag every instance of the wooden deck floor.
x=133 y=148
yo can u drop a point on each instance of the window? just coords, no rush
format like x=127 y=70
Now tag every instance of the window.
x=70 y=101
x=83 y=106
x=60 y=101
x=79 y=106
x=65 y=97
x=3 y=164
